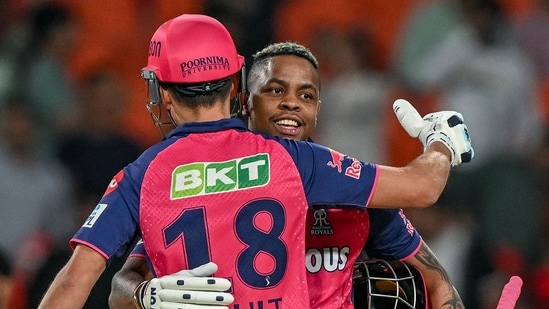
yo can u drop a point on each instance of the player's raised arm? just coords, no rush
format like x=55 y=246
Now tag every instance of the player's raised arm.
x=419 y=184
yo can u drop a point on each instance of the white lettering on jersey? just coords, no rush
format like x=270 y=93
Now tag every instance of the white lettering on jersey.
x=253 y=170
x=200 y=178
x=330 y=259
x=187 y=180
x=213 y=176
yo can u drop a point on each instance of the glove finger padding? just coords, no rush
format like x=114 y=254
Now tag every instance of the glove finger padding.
x=204 y=270
x=196 y=297
x=167 y=305
x=197 y=292
x=179 y=282
x=408 y=117
x=185 y=288
x=448 y=127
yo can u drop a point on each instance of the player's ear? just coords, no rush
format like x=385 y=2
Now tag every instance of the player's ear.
x=234 y=88
x=165 y=98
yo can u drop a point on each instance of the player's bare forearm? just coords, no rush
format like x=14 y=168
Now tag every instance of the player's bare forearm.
x=442 y=293
x=124 y=282
x=434 y=165
x=417 y=185
x=72 y=285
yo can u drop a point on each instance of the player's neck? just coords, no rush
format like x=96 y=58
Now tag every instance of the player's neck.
x=202 y=114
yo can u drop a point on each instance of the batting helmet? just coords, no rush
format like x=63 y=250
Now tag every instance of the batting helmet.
x=191 y=49
x=379 y=284
x=194 y=50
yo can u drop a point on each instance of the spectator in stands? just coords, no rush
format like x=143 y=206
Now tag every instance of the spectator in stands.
x=473 y=60
x=355 y=95
x=36 y=195
x=43 y=76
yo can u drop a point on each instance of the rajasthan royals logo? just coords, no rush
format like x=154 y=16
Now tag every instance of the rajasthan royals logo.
x=321 y=226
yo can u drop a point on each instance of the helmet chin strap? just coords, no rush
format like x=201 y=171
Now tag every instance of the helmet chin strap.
x=172 y=124
x=155 y=100
x=237 y=109
x=157 y=119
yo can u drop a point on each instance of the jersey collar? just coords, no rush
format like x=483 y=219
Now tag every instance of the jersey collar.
x=207 y=126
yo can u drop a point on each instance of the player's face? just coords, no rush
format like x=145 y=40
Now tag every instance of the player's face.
x=286 y=102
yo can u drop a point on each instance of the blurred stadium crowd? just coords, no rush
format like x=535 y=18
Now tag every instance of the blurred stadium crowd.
x=72 y=105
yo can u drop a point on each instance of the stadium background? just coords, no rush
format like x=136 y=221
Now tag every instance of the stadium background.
x=493 y=219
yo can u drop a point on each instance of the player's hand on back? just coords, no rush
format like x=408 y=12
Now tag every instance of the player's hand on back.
x=186 y=289
x=446 y=127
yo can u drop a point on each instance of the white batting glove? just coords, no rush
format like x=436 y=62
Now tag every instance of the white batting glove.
x=445 y=126
x=186 y=289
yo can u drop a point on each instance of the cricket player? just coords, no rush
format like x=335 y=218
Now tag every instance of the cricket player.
x=281 y=78
x=214 y=191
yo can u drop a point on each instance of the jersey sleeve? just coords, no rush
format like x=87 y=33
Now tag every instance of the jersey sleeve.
x=114 y=223
x=331 y=178
x=140 y=253
x=392 y=236
x=139 y=250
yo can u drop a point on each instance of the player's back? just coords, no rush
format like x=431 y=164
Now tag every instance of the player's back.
x=203 y=199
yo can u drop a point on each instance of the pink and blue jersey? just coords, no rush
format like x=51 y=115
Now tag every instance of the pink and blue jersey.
x=218 y=192
x=336 y=237
x=334 y=240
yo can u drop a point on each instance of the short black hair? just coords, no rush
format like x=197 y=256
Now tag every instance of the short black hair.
x=201 y=94
x=262 y=57
x=285 y=48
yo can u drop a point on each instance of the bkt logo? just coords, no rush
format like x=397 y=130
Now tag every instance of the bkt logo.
x=206 y=178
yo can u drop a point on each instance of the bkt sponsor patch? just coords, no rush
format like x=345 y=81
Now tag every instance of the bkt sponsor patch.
x=202 y=178
x=95 y=215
